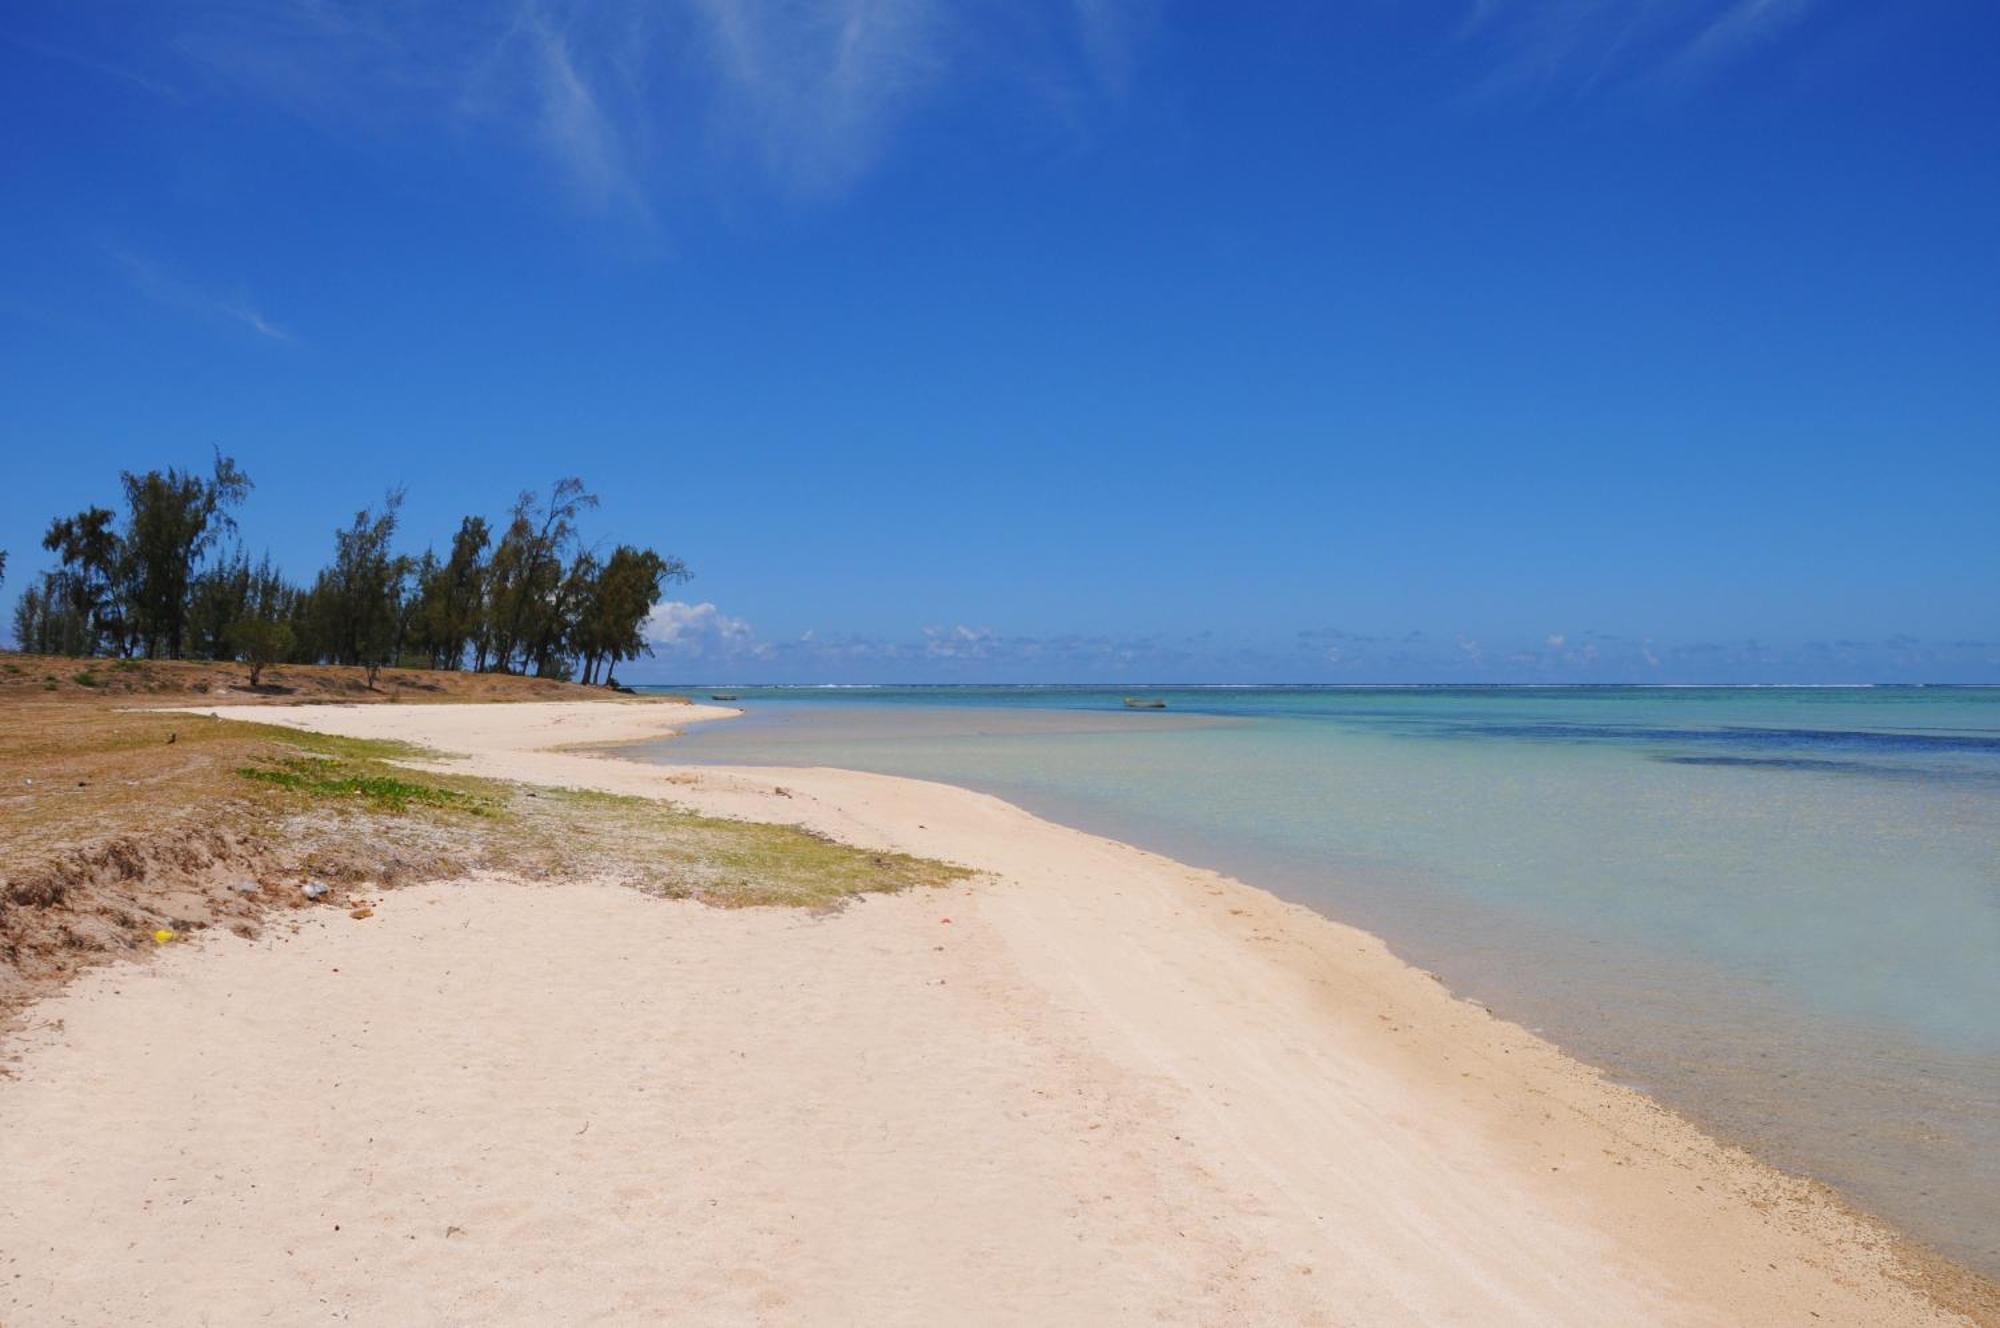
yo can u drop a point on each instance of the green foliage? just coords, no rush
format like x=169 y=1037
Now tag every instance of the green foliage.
x=534 y=601
x=356 y=605
x=172 y=519
x=449 y=617
x=612 y=604
x=260 y=642
x=332 y=767
x=84 y=592
x=668 y=850
x=230 y=592
x=43 y=624
x=528 y=584
x=318 y=778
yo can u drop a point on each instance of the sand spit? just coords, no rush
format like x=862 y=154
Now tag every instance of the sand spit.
x=1095 y=1086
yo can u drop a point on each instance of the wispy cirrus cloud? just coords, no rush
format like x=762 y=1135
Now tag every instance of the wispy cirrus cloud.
x=165 y=287
x=619 y=105
x=1738 y=28
x=571 y=120
x=626 y=99
x=1582 y=46
x=92 y=64
x=814 y=90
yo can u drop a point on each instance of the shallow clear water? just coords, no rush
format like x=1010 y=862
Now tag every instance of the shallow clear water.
x=1777 y=909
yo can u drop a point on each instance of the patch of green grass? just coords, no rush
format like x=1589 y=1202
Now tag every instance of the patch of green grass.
x=561 y=834
x=323 y=767
x=787 y=864
x=346 y=749
x=380 y=792
x=667 y=850
x=86 y=679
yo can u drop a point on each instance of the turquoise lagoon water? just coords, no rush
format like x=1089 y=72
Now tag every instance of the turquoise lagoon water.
x=1777 y=909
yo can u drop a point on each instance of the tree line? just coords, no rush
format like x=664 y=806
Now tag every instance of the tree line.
x=166 y=579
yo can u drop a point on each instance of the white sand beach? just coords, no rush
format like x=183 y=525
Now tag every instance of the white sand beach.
x=1091 y=1086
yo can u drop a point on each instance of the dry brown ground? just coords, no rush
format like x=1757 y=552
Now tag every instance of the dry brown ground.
x=183 y=682
x=119 y=824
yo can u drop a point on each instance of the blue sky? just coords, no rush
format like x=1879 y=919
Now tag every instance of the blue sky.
x=1542 y=340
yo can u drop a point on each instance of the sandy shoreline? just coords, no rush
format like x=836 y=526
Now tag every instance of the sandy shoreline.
x=1094 y=1086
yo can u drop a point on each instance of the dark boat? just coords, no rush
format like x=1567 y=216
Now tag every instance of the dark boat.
x=1144 y=703
x=722 y=696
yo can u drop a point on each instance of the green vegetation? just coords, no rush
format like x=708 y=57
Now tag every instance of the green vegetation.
x=380 y=792
x=260 y=643
x=322 y=766
x=667 y=850
x=121 y=821
x=339 y=747
x=86 y=679
x=567 y=833
x=158 y=583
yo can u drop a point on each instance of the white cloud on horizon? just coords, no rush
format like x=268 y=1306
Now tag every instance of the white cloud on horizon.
x=960 y=642
x=677 y=626
x=693 y=638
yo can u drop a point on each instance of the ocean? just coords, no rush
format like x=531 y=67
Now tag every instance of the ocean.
x=1775 y=909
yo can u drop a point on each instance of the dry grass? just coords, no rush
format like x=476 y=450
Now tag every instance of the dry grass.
x=665 y=850
x=116 y=824
x=58 y=678
x=556 y=834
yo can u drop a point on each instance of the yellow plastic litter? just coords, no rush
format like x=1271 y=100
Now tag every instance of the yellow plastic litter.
x=163 y=935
